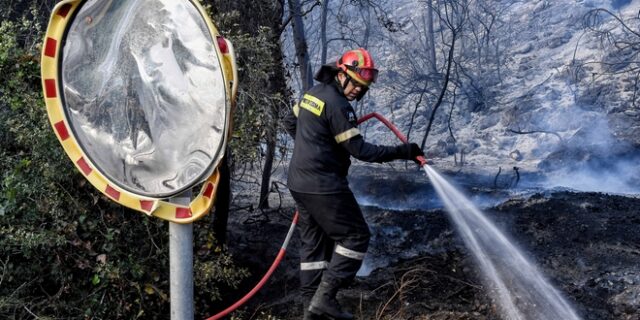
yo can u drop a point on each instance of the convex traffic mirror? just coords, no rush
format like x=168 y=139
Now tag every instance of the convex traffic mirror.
x=139 y=94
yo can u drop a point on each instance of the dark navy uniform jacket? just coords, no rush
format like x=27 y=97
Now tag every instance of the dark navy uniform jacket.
x=324 y=126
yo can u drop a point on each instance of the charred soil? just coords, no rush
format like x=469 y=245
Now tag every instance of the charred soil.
x=586 y=244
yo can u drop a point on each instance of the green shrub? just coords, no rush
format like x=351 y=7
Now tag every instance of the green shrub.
x=66 y=251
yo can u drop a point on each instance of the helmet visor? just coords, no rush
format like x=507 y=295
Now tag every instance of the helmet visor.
x=368 y=75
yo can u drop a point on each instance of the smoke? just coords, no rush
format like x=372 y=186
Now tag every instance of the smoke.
x=393 y=189
x=399 y=202
x=619 y=177
x=411 y=190
x=593 y=159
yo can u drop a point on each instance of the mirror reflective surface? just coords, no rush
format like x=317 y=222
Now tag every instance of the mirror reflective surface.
x=144 y=93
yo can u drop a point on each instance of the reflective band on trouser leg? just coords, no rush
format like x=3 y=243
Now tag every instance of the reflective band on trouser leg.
x=347 y=135
x=318 y=265
x=349 y=253
x=310 y=275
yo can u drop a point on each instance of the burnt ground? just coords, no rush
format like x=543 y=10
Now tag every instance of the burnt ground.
x=586 y=244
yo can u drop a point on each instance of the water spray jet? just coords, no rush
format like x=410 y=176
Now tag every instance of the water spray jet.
x=517 y=286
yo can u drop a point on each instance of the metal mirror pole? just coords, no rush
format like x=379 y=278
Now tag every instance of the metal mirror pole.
x=181 y=264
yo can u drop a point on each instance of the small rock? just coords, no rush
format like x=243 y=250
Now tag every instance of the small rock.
x=516 y=155
x=528 y=47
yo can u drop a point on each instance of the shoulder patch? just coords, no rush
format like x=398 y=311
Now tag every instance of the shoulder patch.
x=351 y=116
x=312 y=104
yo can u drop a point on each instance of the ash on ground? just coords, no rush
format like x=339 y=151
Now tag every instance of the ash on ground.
x=586 y=244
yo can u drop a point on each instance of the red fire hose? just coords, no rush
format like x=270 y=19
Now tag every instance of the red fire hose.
x=285 y=244
x=393 y=128
x=266 y=276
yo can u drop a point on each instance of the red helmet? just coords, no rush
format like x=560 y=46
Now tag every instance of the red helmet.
x=358 y=64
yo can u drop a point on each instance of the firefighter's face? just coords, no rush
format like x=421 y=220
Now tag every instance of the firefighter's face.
x=353 y=88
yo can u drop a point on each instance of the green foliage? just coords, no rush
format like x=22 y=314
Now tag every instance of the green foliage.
x=218 y=271
x=262 y=90
x=257 y=114
x=66 y=251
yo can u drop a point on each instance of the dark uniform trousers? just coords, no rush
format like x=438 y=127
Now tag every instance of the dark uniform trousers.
x=337 y=252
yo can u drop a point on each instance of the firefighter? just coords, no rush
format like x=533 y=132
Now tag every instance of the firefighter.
x=333 y=231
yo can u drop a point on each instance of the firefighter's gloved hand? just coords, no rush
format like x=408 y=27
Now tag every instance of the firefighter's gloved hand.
x=415 y=152
x=410 y=151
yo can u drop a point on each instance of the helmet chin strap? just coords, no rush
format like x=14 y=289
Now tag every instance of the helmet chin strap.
x=345 y=83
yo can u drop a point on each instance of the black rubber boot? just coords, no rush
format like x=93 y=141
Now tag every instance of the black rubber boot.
x=307 y=315
x=324 y=302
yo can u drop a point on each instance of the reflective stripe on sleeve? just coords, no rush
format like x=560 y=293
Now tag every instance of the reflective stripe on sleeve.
x=349 y=253
x=317 y=265
x=296 y=110
x=347 y=135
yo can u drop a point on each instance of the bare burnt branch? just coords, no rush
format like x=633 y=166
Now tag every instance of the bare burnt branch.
x=537 y=131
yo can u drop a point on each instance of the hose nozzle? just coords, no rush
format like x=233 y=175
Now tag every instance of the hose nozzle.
x=422 y=160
